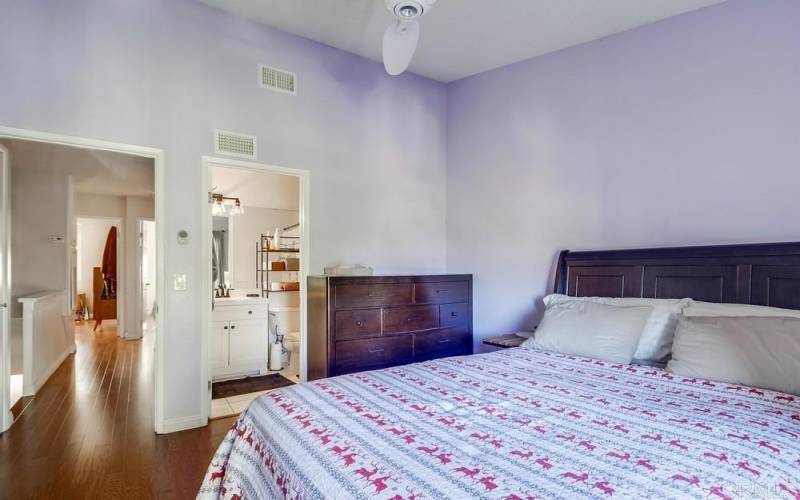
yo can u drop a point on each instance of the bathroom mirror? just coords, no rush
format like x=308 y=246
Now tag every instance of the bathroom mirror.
x=220 y=251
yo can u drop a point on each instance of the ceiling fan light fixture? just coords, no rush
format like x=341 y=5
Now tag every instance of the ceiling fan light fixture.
x=400 y=38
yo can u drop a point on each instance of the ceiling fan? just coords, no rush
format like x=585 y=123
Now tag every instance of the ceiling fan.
x=401 y=37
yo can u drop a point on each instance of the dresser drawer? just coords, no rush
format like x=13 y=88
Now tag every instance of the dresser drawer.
x=357 y=323
x=454 y=315
x=379 y=294
x=441 y=292
x=453 y=341
x=364 y=353
x=234 y=313
x=410 y=319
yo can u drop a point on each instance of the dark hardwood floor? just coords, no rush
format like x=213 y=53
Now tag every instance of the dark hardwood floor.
x=88 y=433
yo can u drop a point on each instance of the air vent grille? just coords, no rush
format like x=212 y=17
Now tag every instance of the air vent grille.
x=278 y=80
x=234 y=144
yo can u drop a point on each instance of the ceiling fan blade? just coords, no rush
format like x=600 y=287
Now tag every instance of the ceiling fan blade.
x=399 y=43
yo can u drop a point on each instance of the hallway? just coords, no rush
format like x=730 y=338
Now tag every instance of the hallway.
x=88 y=433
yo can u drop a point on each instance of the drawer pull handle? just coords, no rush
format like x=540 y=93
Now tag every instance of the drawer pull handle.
x=454 y=314
x=249 y=312
x=444 y=341
x=359 y=323
x=233 y=327
x=439 y=291
x=376 y=351
x=224 y=327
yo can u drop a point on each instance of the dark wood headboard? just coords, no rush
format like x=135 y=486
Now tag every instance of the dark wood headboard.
x=763 y=274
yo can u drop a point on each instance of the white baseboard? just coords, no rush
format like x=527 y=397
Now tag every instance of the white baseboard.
x=31 y=389
x=182 y=424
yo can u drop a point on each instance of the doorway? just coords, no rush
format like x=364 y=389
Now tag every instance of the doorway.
x=76 y=165
x=148 y=278
x=255 y=239
x=96 y=302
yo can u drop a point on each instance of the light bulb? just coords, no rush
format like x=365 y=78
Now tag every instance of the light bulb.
x=408 y=11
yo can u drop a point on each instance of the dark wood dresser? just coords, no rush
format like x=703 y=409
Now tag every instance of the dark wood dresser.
x=363 y=323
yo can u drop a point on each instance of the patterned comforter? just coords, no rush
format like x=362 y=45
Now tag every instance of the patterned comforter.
x=517 y=423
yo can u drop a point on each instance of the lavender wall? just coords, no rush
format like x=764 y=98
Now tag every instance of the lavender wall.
x=165 y=73
x=681 y=132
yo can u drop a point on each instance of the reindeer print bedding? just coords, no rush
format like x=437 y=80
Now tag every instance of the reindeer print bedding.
x=513 y=424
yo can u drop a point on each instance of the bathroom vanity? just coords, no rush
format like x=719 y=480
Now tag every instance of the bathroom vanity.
x=239 y=337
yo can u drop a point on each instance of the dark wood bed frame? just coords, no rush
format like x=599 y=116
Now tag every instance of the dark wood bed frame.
x=762 y=274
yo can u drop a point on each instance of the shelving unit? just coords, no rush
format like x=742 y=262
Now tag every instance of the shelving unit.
x=284 y=305
x=264 y=249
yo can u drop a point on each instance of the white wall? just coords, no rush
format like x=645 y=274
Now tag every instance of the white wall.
x=39 y=201
x=257 y=188
x=91 y=244
x=247 y=230
x=99 y=205
x=683 y=132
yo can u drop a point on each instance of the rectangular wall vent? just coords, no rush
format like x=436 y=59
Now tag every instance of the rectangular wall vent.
x=278 y=80
x=234 y=144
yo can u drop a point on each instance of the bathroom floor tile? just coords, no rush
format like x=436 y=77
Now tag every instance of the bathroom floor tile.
x=221 y=408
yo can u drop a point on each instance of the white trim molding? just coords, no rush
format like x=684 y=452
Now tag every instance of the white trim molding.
x=5 y=291
x=182 y=424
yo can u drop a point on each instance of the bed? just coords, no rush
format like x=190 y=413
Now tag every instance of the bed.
x=522 y=423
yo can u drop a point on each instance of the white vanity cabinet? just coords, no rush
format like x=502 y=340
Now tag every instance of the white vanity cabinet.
x=239 y=338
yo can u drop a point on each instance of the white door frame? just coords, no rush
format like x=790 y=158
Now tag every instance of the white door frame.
x=157 y=156
x=205 y=244
x=5 y=294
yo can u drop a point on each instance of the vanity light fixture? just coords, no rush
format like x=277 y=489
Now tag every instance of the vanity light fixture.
x=225 y=205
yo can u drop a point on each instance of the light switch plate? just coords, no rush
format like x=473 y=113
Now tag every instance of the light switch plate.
x=179 y=282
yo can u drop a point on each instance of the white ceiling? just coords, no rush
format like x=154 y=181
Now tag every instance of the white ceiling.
x=99 y=172
x=462 y=37
x=257 y=189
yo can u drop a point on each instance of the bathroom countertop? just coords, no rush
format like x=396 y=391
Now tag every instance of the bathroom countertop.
x=240 y=301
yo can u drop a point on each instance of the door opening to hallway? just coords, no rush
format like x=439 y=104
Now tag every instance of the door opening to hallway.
x=71 y=220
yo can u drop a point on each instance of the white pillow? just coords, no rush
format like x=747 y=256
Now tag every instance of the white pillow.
x=585 y=328
x=697 y=308
x=655 y=343
x=754 y=351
